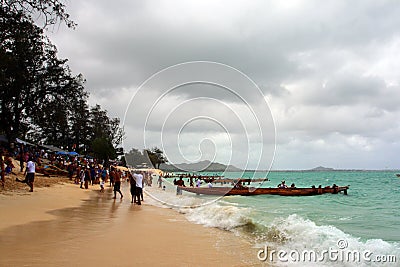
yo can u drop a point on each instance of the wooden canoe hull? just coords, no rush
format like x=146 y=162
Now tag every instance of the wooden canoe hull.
x=251 y=191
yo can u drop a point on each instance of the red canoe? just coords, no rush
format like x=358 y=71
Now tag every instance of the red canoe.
x=251 y=191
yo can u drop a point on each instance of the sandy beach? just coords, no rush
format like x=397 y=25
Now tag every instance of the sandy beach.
x=63 y=225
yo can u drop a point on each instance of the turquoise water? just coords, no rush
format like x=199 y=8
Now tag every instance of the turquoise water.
x=369 y=211
x=367 y=218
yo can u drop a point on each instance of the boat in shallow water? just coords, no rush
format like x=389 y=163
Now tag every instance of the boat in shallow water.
x=251 y=191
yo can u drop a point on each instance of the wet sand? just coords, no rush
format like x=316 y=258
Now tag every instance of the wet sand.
x=67 y=226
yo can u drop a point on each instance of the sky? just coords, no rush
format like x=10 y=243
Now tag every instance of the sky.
x=256 y=84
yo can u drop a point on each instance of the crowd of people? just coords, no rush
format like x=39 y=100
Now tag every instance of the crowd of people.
x=84 y=171
x=25 y=155
x=89 y=175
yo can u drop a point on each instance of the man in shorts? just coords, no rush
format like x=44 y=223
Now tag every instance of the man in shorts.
x=30 y=174
x=117 y=184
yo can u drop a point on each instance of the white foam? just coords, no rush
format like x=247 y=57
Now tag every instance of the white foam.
x=220 y=216
x=169 y=199
x=297 y=233
x=203 y=211
x=287 y=233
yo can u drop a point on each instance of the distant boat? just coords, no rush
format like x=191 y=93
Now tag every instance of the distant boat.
x=398 y=175
x=251 y=191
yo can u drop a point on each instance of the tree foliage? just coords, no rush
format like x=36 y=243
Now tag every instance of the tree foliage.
x=153 y=156
x=103 y=149
x=22 y=65
x=49 y=12
x=40 y=98
x=135 y=157
x=104 y=126
x=156 y=157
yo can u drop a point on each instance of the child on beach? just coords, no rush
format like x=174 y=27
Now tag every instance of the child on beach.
x=102 y=185
x=82 y=177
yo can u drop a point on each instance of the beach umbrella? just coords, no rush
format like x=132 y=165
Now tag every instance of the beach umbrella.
x=61 y=153
x=73 y=153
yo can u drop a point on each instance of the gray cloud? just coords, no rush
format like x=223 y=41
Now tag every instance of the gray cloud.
x=328 y=70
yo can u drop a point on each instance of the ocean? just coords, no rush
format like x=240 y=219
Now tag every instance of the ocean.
x=358 y=229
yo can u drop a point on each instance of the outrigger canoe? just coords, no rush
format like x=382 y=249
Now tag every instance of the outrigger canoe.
x=251 y=191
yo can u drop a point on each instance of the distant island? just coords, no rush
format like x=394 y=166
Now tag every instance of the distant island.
x=204 y=166
x=321 y=169
x=208 y=166
x=316 y=169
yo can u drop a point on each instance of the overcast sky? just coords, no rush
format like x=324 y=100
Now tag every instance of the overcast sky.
x=318 y=79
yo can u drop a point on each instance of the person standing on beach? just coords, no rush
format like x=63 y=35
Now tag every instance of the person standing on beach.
x=141 y=192
x=30 y=174
x=82 y=176
x=92 y=174
x=87 y=177
x=132 y=182
x=78 y=173
x=104 y=174
x=139 y=186
x=21 y=159
x=112 y=176
x=117 y=184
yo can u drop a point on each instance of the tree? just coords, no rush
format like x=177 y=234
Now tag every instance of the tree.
x=156 y=157
x=50 y=12
x=80 y=128
x=39 y=97
x=117 y=132
x=37 y=90
x=21 y=59
x=103 y=150
x=135 y=157
x=101 y=125
x=55 y=107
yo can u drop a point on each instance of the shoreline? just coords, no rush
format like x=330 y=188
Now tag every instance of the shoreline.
x=26 y=207
x=61 y=220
